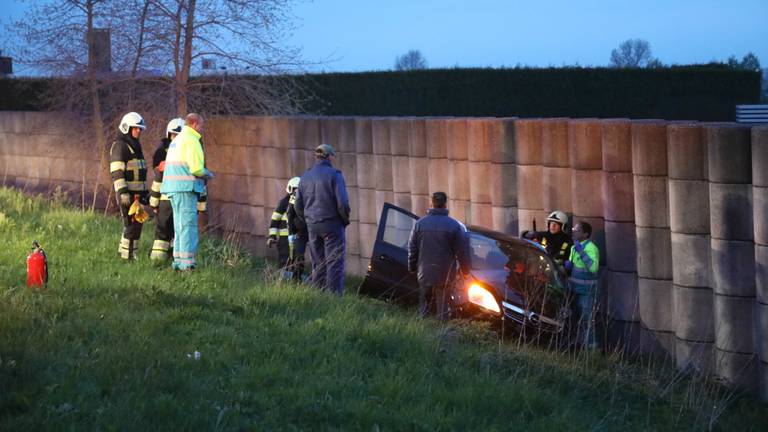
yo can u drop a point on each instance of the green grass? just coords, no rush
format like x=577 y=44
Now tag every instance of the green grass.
x=107 y=347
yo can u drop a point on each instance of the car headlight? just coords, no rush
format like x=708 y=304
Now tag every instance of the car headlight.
x=483 y=298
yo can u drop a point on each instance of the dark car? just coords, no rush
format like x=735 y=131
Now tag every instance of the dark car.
x=510 y=278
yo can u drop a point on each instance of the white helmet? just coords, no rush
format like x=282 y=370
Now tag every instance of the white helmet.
x=292 y=184
x=130 y=120
x=174 y=126
x=559 y=217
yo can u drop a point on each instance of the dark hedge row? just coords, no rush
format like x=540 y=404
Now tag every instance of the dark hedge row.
x=668 y=93
x=683 y=93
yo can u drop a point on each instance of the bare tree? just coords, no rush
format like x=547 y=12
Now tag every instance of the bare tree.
x=156 y=51
x=412 y=60
x=750 y=62
x=632 y=53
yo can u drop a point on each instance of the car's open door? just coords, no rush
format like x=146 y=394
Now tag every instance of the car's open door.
x=388 y=275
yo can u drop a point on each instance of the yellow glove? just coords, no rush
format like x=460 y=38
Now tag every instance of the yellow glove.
x=137 y=212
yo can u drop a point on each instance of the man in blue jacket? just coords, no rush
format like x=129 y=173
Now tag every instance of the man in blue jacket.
x=437 y=242
x=322 y=202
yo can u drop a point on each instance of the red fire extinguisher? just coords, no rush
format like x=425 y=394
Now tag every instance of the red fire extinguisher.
x=37 y=267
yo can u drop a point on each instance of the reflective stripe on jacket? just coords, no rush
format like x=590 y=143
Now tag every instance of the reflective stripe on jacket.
x=185 y=164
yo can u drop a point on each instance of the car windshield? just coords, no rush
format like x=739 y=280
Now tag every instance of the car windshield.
x=524 y=268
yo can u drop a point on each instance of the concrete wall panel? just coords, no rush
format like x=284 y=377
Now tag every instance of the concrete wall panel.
x=401 y=174
x=529 y=187
x=367 y=206
x=417 y=138
x=380 y=130
x=689 y=206
x=354 y=203
x=347 y=135
x=761 y=273
x=382 y=172
x=737 y=369
x=502 y=137
x=399 y=136
x=649 y=148
x=734 y=324
x=439 y=172
x=733 y=267
x=458 y=148
x=458 y=180
x=480 y=182
x=478 y=142
x=554 y=143
x=654 y=253
x=619 y=196
x=730 y=153
x=587 y=193
x=420 y=204
x=585 y=141
x=687 y=152
x=696 y=355
x=481 y=214
x=556 y=184
x=621 y=246
x=525 y=219
x=731 y=211
x=651 y=201
x=690 y=259
x=760 y=214
x=623 y=297
x=528 y=141
x=347 y=163
x=504 y=184
x=403 y=200
x=365 y=175
x=419 y=175
x=436 y=131
x=352 y=233
x=363 y=135
x=656 y=297
x=695 y=314
x=760 y=156
x=367 y=239
x=505 y=220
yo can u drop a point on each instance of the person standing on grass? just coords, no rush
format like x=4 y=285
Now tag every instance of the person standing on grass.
x=322 y=202
x=583 y=266
x=437 y=242
x=128 y=171
x=184 y=181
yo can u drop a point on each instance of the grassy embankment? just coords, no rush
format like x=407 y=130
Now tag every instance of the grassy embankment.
x=107 y=346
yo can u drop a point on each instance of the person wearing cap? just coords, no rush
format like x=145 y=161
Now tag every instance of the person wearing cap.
x=436 y=243
x=128 y=171
x=183 y=182
x=556 y=240
x=323 y=204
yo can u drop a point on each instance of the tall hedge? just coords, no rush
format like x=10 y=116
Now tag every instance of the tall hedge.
x=707 y=94
x=704 y=93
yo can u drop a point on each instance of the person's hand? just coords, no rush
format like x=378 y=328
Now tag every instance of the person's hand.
x=578 y=246
x=154 y=209
x=209 y=175
x=528 y=235
x=568 y=265
x=271 y=241
x=125 y=199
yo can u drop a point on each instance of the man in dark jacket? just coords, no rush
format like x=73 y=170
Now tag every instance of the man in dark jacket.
x=322 y=202
x=437 y=242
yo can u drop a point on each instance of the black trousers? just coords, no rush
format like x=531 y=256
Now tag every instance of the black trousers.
x=283 y=251
x=434 y=300
x=164 y=228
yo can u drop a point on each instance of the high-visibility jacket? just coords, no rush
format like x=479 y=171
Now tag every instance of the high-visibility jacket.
x=278 y=226
x=185 y=164
x=585 y=266
x=127 y=166
x=158 y=167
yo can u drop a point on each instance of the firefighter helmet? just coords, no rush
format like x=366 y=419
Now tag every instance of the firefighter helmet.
x=559 y=217
x=132 y=119
x=174 y=126
x=292 y=184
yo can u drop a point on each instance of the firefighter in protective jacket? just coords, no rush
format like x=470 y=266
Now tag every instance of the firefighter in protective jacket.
x=556 y=240
x=278 y=229
x=128 y=170
x=297 y=233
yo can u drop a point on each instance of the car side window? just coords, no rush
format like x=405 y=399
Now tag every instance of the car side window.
x=398 y=228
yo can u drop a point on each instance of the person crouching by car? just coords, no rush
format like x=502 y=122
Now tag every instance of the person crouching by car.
x=583 y=266
x=437 y=241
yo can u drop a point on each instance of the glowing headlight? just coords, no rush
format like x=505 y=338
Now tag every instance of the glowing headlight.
x=481 y=297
